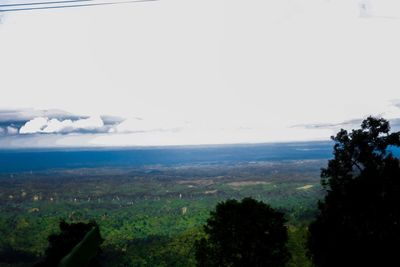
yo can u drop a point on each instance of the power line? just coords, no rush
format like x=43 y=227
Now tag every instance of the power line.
x=74 y=6
x=44 y=3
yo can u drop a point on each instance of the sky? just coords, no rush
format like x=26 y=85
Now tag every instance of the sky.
x=180 y=72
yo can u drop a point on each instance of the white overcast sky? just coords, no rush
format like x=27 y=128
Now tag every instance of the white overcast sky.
x=202 y=71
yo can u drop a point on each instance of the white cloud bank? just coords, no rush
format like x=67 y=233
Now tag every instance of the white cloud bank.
x=45 y=125
x=263 y=66
x=139 y=125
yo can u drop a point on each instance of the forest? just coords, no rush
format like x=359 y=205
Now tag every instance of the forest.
x=148 y=216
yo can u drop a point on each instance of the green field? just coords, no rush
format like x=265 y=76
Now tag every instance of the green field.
x=149 y=216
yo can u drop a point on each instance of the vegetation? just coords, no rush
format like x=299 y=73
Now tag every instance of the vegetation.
x=148 y=216
x=358 y=223
x=84 y=253
x=76 y=242
x=247 y=233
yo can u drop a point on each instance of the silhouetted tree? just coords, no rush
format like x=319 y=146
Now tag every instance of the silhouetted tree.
x=248 y=233
x=359 y=220
x=62 y=244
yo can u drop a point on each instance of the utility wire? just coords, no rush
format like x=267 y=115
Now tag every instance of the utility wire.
x=73 y=6
x=44 y=3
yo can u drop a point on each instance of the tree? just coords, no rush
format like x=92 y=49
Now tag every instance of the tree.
x=358 y=223
x=84 y=251
x=74 y=239
x=248 y=233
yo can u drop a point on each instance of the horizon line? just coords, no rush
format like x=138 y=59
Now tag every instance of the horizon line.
x=133 y=147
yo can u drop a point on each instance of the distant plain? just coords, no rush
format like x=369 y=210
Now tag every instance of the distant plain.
x=150 y=203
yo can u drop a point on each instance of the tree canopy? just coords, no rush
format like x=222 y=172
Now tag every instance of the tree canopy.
x=358 y=223
x=247 y=233
x=74 y=239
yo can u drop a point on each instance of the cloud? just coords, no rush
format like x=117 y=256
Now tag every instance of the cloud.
x=350 y=124
x=34 y=126
x=111 y=120
x=365 y=8
x=53 y=121
x=11 y=130
x=92 y=124
x=45 y=140
x=391 y=113
x=23 y=115
x=396 y=103
x=344 y=124
x=139 y=125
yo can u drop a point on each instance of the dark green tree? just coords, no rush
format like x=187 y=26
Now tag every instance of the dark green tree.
x=358 y=223
x=72 y=236
x=248 y=233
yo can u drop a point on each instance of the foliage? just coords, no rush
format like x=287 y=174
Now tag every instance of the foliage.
x=247 y=233
x=60 y=245
x=297 y=246
x=153 y=251
x=9 y=255
x=147 y=218
x=84 y=251
x=359 y=220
